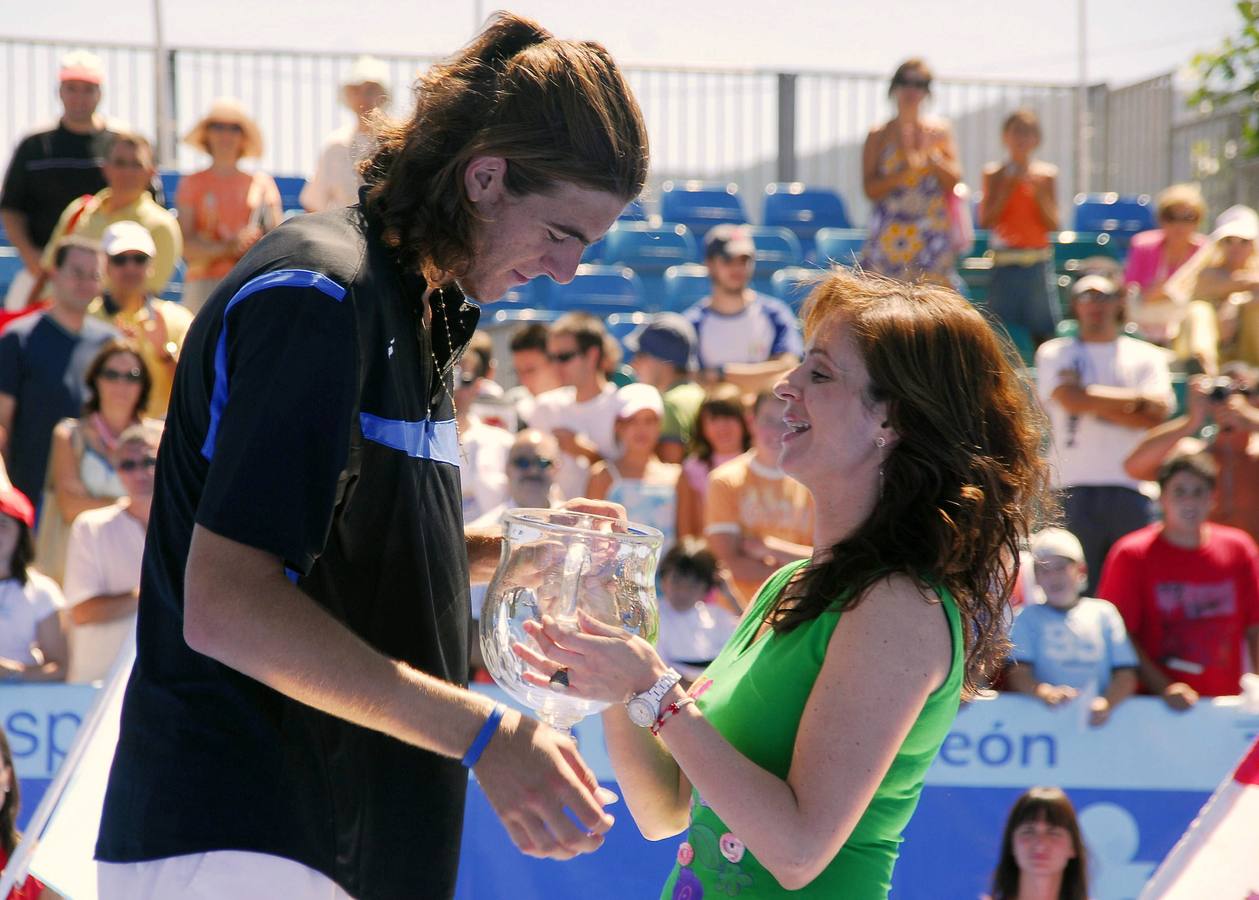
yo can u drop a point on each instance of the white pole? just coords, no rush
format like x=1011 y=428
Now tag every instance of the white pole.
x=1084 y=123
x=161 y=100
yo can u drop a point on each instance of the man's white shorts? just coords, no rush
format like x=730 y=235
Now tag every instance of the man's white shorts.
x=215 y=876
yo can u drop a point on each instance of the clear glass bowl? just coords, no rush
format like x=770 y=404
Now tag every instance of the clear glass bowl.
x=555 y=562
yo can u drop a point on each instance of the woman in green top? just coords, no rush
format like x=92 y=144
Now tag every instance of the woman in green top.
x=796 y=761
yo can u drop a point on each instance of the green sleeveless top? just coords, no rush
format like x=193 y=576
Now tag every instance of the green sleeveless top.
x=756 y=698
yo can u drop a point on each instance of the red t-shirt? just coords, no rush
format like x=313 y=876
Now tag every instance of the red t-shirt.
x=1188 y=610
x=30 y=889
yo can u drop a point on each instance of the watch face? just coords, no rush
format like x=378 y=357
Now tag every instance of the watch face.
x=641 y=712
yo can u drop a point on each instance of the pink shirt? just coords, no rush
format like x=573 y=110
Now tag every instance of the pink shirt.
x=1146 y=263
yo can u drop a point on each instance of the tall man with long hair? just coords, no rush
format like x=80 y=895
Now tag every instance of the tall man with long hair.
x=296 y=719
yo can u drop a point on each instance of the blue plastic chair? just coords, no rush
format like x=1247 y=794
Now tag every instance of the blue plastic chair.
x=793 y=284
x=1072 y=246
x=170 y=183
x=776 y=248
x=10 y=265
x=596 y=289
x=804 y=210
x=685 y=285
x=699 y=205
x=633 y=212
x=1119 y=215
x=621 y=325
x=649 y=249
x=840 y=245
x=290 y=190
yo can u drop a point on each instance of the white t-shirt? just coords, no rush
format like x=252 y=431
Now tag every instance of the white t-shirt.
x=594 y=418
x=483 y=466
x=1085 y=449
x=22 y=608
x=102 y=558
x=690 y=639
x=336 y=180
x=763 y=329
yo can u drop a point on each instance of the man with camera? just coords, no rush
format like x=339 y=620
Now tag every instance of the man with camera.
x=1232 y=402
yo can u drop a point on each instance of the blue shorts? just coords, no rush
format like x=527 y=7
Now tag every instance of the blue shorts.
x=1026 y=296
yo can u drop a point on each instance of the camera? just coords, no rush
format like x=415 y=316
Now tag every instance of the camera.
x=1222 y=388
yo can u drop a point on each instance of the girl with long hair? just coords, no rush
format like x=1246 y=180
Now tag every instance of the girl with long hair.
x=1042 y=851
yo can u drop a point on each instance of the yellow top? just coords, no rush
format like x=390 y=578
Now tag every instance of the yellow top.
x=154 y=327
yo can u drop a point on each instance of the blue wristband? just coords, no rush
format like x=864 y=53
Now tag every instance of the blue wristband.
x=483 y=736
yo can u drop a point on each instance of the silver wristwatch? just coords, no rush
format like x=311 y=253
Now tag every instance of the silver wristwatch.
x=645 y=707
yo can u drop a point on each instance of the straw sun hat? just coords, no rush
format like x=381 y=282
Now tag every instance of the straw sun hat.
x=225 y=109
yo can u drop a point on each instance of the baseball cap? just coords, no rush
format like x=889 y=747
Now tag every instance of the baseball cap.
x=634 y=398
x=1050 y=542
x=1094 y=283
x=729 y=241
x=14 y=503
x=1237 y=221
x=80 y=65
x=127 y=237
x=666 y=336
x=367 y=69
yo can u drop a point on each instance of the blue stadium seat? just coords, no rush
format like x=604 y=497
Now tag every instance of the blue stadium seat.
x=516 y=315
x=699 y=205
x=170 y=183
x=1119 y=215
x=776 y=248
x=793 y=284
x=174 y=289
x=290 y=190
x=10 y=265
x=805 y=210
x=4 y=237
x=596 y=289
x=649 y=249
x=840 y=245
x=620 y=325
x=685 y=285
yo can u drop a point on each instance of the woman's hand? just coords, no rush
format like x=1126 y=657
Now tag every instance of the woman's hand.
x=603 y=662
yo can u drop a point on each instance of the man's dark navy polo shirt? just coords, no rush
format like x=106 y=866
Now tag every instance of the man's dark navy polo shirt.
x=309 y=419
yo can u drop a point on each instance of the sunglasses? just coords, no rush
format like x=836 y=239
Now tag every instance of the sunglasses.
x=922 y=84
x=563 y=357
x=525 y=463
x=131 y=465
x=1095 y=297
x=132 y=259
x=132 y=376
x=1189 y=216
x=225 y=126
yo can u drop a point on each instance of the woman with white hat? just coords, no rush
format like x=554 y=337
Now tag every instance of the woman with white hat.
x=1225 y=274
x=336 y=180
x=223 y=210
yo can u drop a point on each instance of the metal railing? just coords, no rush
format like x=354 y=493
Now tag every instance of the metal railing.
x=750 y=127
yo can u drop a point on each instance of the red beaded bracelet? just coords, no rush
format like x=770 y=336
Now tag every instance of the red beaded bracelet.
x=669 y=712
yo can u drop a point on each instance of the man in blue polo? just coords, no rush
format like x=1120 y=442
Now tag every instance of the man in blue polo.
x=296 y=718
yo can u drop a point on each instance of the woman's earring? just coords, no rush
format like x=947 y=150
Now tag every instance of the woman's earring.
x=880 y=442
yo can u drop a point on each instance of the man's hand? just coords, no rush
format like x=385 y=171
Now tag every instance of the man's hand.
x=1180 y=696
x=1054 y=694
x=531 y=775
x=1237 y=413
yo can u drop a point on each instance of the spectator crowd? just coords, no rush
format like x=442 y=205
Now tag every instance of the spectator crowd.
x=1150 y=585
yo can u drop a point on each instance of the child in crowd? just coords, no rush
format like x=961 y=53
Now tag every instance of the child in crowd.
x=1020 y=208
x=1042 y=850
x=1070 y=643
x=32 y=639
x=720 y=435
x=692 y=631
x=638 y=480
x=29 y=888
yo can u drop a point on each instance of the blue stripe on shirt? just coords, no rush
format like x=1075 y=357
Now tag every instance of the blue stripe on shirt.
x=425 y=439
x=281 y=278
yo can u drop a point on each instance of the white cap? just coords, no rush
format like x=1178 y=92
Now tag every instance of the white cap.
x=1050 y=542
x=1237 y=221
x=367 y=69
x=128 y=237
x=634 y=398
x=80 y=65
x=1099 y=283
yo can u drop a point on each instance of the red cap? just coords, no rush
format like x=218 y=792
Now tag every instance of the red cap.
x=14 y=503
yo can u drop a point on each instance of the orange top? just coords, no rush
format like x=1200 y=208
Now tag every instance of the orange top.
x=224 y=206
x=1019 y=225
